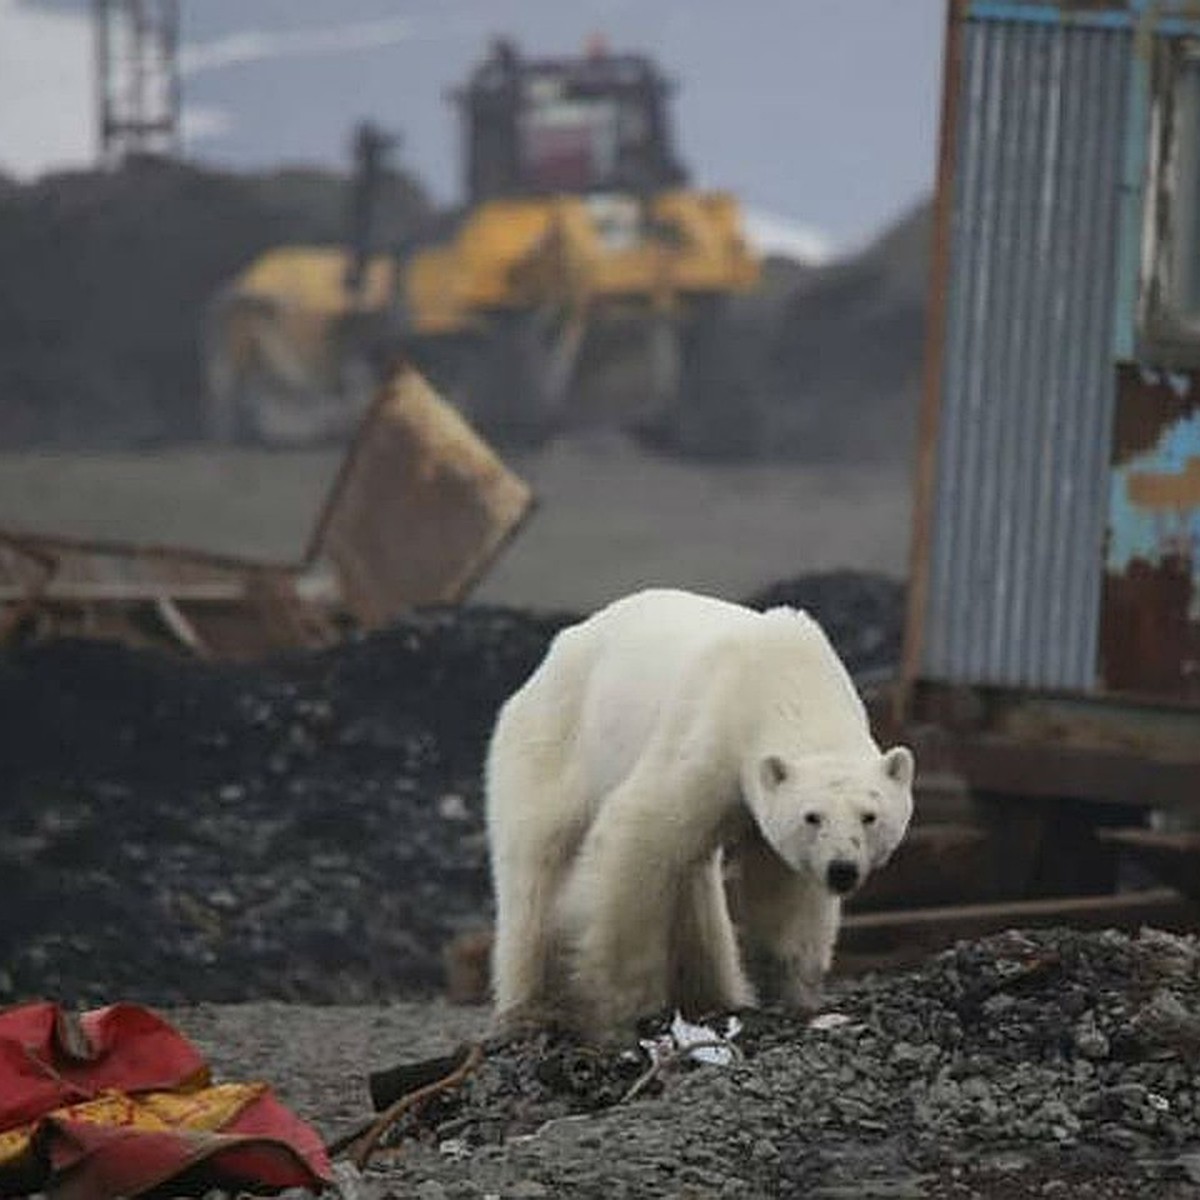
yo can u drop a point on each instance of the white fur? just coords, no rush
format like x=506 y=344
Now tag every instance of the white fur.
x=661 y=732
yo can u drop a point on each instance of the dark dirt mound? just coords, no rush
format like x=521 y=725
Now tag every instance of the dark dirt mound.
x=307 y=829
x=846 y=357
x=862 y=614
x=106 y=277
x=998 y=1067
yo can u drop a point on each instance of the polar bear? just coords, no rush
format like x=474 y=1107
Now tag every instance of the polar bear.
x=659 y=735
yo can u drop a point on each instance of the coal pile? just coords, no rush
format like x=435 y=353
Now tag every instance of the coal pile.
x=309 y=829
x=306 y=829
x=108 y=274
x=1042 y=1063
x=863 y=614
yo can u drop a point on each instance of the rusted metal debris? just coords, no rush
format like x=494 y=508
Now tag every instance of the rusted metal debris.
x=419 y=510
x=1174 y=857
x=364 y=1146
x=1150 y=605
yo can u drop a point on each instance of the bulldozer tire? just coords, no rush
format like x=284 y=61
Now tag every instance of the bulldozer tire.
x=510 y=397
x=716 y=414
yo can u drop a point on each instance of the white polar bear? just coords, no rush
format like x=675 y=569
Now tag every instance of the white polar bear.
x=656 y=733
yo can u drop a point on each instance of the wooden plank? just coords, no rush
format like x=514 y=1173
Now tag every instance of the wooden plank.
x=939 y=863
x=1020 y=768
x=1174 y=858
x=884 y=932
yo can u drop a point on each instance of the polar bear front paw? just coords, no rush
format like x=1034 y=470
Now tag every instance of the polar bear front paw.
x=786 y=981
x=524 y=1020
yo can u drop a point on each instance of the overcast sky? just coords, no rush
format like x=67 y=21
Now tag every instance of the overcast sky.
x=821 y=112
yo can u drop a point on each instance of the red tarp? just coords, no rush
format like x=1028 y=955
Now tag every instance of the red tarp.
x=116 y=1103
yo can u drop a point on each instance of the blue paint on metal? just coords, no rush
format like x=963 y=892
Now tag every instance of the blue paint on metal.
x=1130 y=212
x=1136 y=531
x=1048 y=14
x=1171 y=19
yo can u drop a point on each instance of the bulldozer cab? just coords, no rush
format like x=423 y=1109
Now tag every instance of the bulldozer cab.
x=537 y=127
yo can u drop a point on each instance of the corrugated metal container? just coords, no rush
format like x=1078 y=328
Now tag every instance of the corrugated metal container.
x=1015 y=544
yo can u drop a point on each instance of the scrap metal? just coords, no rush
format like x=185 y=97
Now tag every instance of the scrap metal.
x=420 y=509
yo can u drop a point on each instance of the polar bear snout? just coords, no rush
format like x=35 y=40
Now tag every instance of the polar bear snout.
x=842 y=876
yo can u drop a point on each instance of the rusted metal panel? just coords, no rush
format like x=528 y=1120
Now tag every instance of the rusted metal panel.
x=421 y=507
x=1015 y=527
x=1150 y=623
x=929 y=417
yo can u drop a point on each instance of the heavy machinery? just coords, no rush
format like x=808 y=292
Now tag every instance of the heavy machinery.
x=583 y=281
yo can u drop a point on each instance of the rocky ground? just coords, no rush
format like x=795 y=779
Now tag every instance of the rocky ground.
x=1026 y=1065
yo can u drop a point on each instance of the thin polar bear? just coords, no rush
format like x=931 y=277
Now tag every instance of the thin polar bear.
x=662 y=733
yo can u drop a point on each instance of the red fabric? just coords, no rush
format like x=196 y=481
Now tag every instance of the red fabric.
x=49 y=1057
x=49 y=1060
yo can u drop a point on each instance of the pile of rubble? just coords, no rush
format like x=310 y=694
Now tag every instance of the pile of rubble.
x=1036 y=1063
x=307 y=829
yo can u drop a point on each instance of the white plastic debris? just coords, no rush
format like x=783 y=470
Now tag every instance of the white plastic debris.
x=829 y=1020
x=697 y=1042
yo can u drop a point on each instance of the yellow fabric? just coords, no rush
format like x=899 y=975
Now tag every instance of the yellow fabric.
x=205 y=1110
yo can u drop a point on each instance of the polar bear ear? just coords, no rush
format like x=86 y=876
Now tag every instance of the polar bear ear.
x=899 y=766
x=772 y=771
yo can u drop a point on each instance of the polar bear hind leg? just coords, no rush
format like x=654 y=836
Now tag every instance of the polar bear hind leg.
x=534 y=832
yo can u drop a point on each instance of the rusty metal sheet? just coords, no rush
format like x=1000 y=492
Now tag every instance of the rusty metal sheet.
x=209 y=605
x=420 y=509
x=1150 y=609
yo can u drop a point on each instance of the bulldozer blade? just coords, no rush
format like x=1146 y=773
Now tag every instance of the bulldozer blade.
x=421 y=507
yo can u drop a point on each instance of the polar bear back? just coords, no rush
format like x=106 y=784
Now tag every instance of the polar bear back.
x=654 y=656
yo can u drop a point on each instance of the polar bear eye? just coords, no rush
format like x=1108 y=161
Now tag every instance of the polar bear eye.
x=869 y=818
x=813 y=818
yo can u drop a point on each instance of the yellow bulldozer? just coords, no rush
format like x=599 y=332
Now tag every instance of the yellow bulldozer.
x=584 y=281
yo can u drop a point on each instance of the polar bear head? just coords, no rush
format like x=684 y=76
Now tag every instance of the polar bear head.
x=835 y=818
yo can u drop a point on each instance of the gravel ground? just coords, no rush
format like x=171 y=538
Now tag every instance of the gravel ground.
x=1027 y=1065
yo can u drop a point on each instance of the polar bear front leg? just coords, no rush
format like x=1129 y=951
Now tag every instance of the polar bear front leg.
x=790 y=926
x=617 y=907
x=708 y=974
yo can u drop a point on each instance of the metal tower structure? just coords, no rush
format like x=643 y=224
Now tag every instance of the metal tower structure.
x=137 y=74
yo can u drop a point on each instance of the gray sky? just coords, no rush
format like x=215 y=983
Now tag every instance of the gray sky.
x=822 y=112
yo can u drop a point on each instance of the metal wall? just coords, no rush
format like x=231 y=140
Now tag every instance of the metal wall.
x=1027 y=382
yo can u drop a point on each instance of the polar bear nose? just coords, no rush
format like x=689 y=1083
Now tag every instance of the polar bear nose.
x=842 y=876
